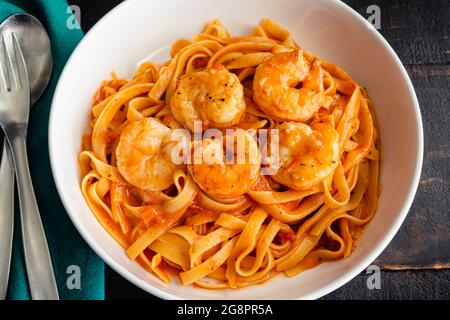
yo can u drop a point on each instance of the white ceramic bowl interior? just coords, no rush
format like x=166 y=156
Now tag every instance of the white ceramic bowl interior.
x=136 y=29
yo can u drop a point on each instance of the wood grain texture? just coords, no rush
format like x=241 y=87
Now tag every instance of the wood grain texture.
x=405 y=285
x=418 y=30
x=424 y=238
x=423 y=284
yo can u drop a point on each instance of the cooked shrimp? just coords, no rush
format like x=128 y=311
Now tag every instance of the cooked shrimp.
x=223 y=173
x=143 y=155
x=215 y=97
x=274 y=87
x=307 y=154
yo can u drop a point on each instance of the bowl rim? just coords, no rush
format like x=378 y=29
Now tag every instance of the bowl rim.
x=345 y=277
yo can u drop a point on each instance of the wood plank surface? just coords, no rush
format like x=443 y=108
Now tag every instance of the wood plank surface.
x=424 y=238
x=418 y=30
x=404 y=285
x=418 y=284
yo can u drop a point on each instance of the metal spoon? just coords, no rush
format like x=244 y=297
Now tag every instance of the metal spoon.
x=35 y=45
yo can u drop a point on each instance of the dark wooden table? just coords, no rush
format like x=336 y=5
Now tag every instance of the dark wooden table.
x=416 y=265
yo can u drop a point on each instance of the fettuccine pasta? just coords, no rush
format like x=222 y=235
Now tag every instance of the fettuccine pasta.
x=225 y=223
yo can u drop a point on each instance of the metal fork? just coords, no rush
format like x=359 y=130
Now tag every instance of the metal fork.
x=14 y=112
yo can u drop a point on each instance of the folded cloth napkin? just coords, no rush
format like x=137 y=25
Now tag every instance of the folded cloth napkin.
x=71 y=256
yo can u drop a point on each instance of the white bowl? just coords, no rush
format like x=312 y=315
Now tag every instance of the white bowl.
x=330 y=29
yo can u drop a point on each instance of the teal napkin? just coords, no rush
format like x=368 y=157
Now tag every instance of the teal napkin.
x=69 y=252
